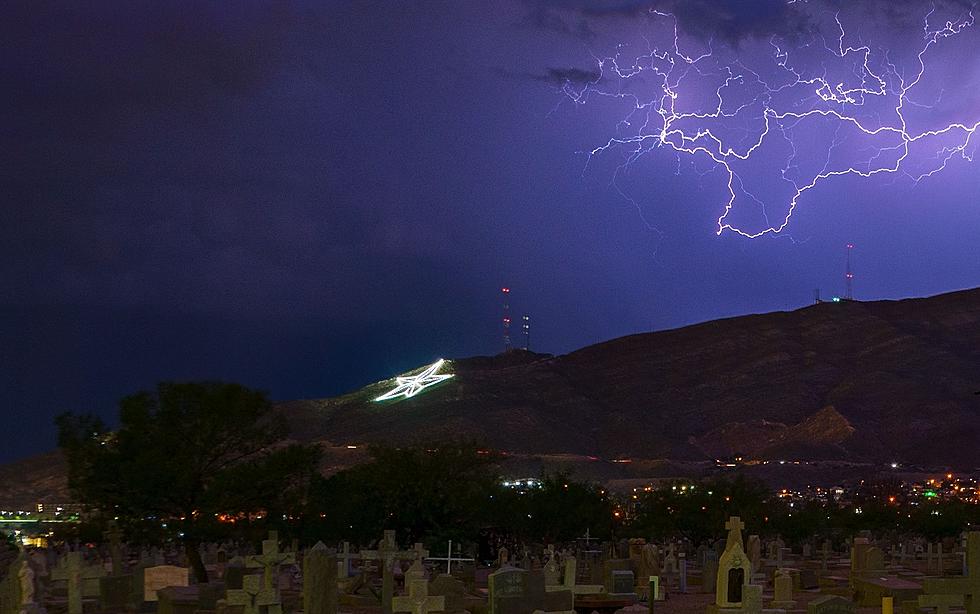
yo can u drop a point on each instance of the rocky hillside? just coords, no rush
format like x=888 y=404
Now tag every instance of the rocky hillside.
x=875 y=382
x=864 y=381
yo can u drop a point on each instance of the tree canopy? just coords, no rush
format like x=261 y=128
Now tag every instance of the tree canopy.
x=187 y=453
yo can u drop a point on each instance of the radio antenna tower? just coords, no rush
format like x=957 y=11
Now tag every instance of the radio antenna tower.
x=526 y=326
x=849 y=276
x=505 y=294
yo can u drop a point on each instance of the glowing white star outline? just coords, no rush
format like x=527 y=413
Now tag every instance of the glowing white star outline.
x=408 y=386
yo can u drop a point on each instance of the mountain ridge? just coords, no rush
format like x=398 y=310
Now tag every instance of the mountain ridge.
x=861 y=382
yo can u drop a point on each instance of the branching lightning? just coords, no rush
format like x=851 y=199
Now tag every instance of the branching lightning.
x=759 y=113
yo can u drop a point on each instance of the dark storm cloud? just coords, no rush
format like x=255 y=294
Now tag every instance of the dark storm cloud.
x=560 y=76
x=727 y=21
x=87 y=68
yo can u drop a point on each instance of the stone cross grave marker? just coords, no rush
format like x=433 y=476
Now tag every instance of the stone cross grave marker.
x=254 y=597
x=386 y=555
x=344 y=557
x=449 y=558
x=74 y=570
x=418 y=600
x=270 y=559
x=967 y=586
x=114 y=535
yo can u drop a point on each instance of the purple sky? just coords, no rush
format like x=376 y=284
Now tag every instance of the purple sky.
x=305 y=197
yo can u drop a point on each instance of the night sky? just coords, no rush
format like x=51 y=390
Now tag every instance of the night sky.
x=306 y=197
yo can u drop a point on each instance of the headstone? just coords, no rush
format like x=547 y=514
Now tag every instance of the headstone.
x=453 y=590
x=734 y=568
x=234 y=572
x=966 y=586
x=571 y=568
x=808 y=579
x=508 y=591
x=622 y=584
x=254 y=597
x=178 y=600
x=753 y=548
x=752 y=599
x=941 y=603
x=115 y=591
x=162 y=576
x=386 y=555
x=830 y=604
x=270 y=560
x=418 y=600
x=503 y=557
x=319 y=581
x=682 y=570
x=77 y=574
x=515 y=591
x=709 y=576
x=783 y=591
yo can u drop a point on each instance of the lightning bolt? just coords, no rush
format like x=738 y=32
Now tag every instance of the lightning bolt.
x=873 y=102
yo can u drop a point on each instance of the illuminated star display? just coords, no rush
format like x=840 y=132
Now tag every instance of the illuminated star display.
x=410 y=385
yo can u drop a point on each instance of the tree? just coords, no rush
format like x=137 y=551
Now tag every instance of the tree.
x=438 y=491
x=185 y=454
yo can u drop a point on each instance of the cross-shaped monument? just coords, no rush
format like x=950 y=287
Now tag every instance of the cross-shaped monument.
x=966 y=586
x=418 y=600
x=344 y=557
x=735 y=527
x=114 y=535
x=449 y=558
x=253 y=596
x=270 y=559
x=386 y=555
x=75 y=572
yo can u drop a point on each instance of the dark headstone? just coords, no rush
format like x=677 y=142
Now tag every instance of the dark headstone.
x=178 y=600
x=115 y=592
x=830 y=604
x=453 y=590
x=808 y=579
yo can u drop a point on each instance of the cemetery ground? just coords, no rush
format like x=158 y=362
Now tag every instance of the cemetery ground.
x=197 y=504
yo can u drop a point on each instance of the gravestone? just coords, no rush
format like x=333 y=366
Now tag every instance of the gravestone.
x=508 y=591
x=270 y=560
x=386 y=555
x=752 y=599
x=178 y=600
x=966 y=586
x=516 y=591
x=344 y=558
x=319 y=581
x=73 y=569
x=753 y=549
x=623 y=585
x=808 y=579
x=830 y=604
x=941 y=603
x=254 y=597
x=734 y=568
x=234 y=572
x=115 y=591
x=418 y=600
x=709 y=576
x=452 y=590
x=162 y=576
x=783 y=591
